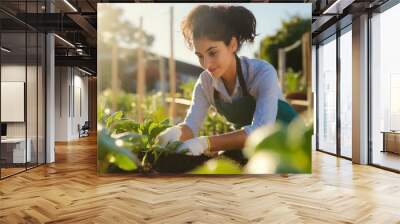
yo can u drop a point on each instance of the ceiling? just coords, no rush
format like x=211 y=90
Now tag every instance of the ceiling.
x=330 y=15
x=76 y=22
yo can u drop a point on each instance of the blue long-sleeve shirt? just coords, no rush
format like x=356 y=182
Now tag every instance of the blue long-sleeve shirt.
x=262 y=83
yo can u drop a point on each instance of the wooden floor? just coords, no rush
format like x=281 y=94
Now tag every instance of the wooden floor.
x=69 y=191
x=10 y=171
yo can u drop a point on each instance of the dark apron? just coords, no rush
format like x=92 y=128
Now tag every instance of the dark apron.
x=240 y=112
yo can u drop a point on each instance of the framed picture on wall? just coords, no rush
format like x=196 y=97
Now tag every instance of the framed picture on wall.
x=194 y=88
x=12 y=101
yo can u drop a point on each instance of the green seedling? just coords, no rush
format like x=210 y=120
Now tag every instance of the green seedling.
x=138 y=139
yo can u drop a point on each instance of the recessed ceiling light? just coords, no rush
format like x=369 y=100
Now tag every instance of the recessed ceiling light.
x=5 y=49
x=84 y=71
x=64 y=40
x=337 y=7
x=70 y=5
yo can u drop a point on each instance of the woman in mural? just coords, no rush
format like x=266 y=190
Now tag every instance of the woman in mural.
x=242 y=89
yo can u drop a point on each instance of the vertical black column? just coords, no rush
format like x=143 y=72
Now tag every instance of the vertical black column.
x=45 y=87
x=369 y=96
x=316 y=97
x=25 y=86
x=338 y=74
x=37 y=86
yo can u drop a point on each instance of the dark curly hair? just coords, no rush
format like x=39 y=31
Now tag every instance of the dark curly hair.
x=219 y=23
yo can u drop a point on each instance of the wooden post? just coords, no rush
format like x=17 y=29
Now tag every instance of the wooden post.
x=172 y=73
x=281 y=67
x=140 y=84
x=114 y=76
x=161 y=69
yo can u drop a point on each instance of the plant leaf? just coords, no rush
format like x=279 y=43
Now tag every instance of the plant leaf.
x=218 y=166
x=107 y=146
x=125 y=125
x=124 y=162
x=114 y=117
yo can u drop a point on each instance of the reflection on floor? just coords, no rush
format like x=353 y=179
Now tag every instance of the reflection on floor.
x=387 y=159
x=9 y=169
x=346 y=152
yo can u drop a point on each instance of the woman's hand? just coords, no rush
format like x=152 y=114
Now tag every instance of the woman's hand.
x=209 y=146
x=169 y=135
x=196 y=146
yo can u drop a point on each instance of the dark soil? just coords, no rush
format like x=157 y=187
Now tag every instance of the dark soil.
x=178 y=163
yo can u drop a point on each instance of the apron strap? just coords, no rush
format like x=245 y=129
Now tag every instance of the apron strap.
x=241 y=79
x=240 y=76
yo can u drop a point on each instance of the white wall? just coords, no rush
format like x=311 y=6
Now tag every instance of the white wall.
x=61 y=103
x=80 y=97
x=71 y=93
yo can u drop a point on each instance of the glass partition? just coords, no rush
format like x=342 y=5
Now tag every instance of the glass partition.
x=385 y=89
x=346 y=93
x=13 y=86
x=22 y=91
x=327 y=95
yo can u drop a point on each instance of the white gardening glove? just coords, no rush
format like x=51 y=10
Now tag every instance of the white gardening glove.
x=169 y=135
x=196 y=146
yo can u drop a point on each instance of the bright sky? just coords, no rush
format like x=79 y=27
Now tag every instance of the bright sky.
x=156 y=21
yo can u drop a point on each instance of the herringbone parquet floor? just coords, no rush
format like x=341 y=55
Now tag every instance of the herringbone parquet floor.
x=70 y=191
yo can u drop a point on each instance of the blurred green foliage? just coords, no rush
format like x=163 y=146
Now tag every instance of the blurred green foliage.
x=294 y=82
x=214 y=124
x=287 y=148
x=218 y=166
x=187 y=89
x=152 y=105
x=290 y=32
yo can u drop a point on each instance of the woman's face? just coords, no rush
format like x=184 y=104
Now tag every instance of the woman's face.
x=215 y=56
